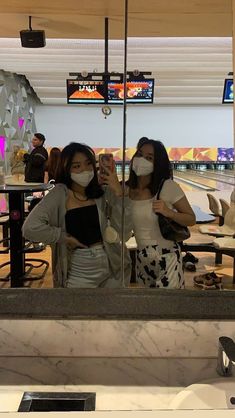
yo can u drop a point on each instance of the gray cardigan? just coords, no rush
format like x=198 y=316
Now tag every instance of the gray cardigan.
x=46 y=223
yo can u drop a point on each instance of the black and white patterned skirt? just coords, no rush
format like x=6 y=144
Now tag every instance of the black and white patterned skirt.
x=160 y=267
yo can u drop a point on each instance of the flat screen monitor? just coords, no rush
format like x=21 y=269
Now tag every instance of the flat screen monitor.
x=228 y=91
x=138 y=91
x=85 y=92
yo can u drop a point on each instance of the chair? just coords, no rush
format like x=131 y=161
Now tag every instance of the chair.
x=224 y=207
x=227 y=229
x=30 y=263
x=214 y=206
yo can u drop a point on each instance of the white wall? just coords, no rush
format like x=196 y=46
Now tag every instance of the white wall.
x=176 y=126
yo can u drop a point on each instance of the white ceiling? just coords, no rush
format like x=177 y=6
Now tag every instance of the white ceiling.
x=186 y=70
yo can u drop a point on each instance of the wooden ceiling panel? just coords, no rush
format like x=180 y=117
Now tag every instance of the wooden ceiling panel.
x=185 y=43
x=85 y=18
x=116 y=7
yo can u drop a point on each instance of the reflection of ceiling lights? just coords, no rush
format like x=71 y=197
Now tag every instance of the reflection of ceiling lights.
x=32 y=38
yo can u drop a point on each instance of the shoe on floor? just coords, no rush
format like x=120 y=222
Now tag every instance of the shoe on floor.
x=190 y=257
x=208 y=281
x=189 y=266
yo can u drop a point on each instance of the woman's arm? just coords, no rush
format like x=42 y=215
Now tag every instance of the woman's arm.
x=40 y=224
x=184 y=215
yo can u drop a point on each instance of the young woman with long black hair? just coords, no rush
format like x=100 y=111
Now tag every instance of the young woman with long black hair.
x=159 y=261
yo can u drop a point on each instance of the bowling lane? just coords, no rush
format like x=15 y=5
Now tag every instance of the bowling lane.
x=204 y=181
x=223 y=173
x=211 y=175
x=186 y=187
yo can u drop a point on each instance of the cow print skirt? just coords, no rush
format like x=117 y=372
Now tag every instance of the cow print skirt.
x=160 y=267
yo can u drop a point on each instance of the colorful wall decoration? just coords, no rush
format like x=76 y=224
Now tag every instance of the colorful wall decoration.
x=178 y=154
x=17 y=107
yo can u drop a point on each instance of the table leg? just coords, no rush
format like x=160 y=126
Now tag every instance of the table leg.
x=17 y=257
x=218 y=258
x=233 y=269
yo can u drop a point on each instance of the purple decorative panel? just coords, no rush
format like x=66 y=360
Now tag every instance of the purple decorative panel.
x=225 y=154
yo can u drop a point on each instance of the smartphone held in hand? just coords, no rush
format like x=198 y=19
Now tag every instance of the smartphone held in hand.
x=106 y=161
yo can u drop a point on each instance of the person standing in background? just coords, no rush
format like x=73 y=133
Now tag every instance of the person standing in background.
x=52 y=165
x=36 y=160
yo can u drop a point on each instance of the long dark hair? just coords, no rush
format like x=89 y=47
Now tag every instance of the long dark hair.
x=93 y=190
x=53 y=163
x=161 y=166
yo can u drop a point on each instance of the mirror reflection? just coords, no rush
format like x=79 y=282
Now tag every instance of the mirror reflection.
x=184 y=137
x=81 y=220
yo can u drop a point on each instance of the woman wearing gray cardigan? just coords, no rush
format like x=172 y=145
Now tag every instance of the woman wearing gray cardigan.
x=75 y=218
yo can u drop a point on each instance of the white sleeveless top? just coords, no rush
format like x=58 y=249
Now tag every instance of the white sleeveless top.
x=145 y=221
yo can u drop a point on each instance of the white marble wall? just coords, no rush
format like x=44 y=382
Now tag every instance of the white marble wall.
x=105 y=371
x=158 y=354
x=76 y=338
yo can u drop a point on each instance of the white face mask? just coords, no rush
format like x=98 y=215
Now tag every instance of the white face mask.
x=141 y=166
x=83 y=178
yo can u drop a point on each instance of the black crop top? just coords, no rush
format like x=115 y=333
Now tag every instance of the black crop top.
x=83 y=224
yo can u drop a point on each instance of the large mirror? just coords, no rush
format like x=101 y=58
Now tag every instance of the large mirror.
x=189 y=62
x=188 y=52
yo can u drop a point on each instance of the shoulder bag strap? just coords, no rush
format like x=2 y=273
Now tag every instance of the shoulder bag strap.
x=160 y=188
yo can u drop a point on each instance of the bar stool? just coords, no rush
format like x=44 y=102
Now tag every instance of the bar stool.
x=30 y=263
x=4 y=223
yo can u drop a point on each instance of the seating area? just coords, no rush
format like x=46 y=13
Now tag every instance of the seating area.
x=208 y=242
x=226 y=214
x=29 y=264
x=206 y=264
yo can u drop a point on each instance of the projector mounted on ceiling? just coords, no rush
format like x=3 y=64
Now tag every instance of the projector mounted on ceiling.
x=32 y=38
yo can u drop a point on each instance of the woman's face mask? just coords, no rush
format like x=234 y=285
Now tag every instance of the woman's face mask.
x=83 y=178
x=141 y=166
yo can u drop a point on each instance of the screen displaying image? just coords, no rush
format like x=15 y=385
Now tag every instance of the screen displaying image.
x=228 y=91
x=225 y=154
x=137 y=91
x=85 y=91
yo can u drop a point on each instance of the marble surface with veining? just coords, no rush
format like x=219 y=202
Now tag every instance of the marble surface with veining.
x=116 y=398
x=142 y=354
x=160 y=373
x=100 y=338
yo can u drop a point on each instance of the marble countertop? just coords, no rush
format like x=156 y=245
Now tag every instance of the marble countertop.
x=130 y=414
x=116 y=398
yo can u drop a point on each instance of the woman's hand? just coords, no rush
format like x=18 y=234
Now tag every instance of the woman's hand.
x=72 y=243
x=111 y=179
x=159 y=206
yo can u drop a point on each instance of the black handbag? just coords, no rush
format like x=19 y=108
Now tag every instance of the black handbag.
x=170 y=229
